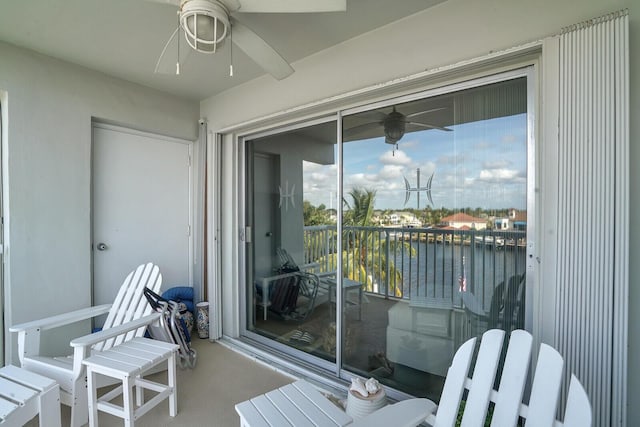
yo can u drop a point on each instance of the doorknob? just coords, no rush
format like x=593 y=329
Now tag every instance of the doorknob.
x=101 y=247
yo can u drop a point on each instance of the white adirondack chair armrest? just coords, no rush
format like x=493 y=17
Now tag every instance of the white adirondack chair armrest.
x=326 y=274
x=61 y=319
x=82 y=346
x=308 y=266
x=407 y=413
x=96 y=337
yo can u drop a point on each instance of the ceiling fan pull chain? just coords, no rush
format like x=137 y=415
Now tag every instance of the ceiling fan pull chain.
x=231 y=51
x=178 y=58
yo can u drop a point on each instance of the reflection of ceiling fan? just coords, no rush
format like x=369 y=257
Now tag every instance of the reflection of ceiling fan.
x=208 y=23
x=394 y=124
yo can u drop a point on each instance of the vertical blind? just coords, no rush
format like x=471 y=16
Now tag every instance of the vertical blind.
x=592 y=271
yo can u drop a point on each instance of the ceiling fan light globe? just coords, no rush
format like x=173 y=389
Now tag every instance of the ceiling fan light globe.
x=205 y=25
x=394 y=126
x=393 y=132
x=391 y=141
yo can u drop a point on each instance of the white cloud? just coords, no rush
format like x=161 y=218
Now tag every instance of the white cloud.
x=485 y=168
x=398 y=157
x=482 y=145
x=509 y=139
x=496 y=164
x=499 y=175
x=391 y=172
x=452 y=159
x=359 y=180
x=409 y=144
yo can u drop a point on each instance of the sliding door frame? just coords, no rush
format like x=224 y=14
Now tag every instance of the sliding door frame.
x=527 y=69
x=244 y=235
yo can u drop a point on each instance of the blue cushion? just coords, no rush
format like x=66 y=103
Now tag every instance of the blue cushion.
x=182 y=294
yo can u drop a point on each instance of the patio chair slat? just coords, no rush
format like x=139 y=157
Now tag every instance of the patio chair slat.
x=321 y=405
x=512 y=385
x=484 y=375
x=249 y=412
x=270 y=412
x=289 y=409
x=454 y=386
x=577 y=400
x=546 y=388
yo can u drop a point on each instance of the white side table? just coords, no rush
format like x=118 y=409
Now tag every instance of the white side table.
x=24 y=394
x=127 y=362
x=294 y=405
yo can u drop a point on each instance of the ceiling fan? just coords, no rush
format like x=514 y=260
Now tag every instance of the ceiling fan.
x=207 y=24
x=394 y=124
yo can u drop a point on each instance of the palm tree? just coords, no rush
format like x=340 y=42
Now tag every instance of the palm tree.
x=368 y=253
x=362 y=210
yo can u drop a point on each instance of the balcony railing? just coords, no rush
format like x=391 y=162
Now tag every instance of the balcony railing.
x=411 y=263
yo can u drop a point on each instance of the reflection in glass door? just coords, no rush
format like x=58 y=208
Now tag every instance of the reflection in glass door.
x=434 y=230
x=431 y=247
x=291 y=213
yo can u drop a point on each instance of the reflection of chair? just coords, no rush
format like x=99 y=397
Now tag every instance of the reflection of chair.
x=290 y=295
x=507 y=305
x=287 y=263
x=124 y=316
x=506 y=400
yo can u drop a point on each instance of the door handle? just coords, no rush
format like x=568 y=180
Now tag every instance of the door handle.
x=101 y=247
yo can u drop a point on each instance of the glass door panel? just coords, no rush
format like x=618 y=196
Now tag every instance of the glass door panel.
x=432 y=243
x=434 y=230
x=291 y=213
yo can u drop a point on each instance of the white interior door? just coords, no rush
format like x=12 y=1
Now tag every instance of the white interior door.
x=141 y=208
x=265 y=201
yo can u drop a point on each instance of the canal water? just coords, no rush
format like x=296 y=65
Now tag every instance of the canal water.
x=441 y=271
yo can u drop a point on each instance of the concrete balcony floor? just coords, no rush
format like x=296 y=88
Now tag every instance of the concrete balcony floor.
x=207 y=394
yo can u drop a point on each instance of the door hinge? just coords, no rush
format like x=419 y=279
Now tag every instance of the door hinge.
x=188 y=230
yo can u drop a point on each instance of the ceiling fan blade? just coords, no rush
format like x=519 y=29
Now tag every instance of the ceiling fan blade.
x=231 y=5
x=166 y=63
x=373 y=115
x=291 y=6
x=428 y=126
x=351 y=132
x=260 y=51
x=171 y=2
x=419 y=113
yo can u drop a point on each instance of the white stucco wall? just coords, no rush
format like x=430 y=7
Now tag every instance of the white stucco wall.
x=454 y=31
x=50 y=105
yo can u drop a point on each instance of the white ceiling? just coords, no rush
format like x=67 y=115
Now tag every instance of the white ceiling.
x=124 y=38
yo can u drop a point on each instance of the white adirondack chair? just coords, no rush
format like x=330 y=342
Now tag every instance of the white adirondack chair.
x=539 y=411
x=127 y=317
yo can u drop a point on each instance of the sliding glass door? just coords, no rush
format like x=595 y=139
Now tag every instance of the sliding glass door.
x=380 y=252
x=434 y=230
x=292 y=212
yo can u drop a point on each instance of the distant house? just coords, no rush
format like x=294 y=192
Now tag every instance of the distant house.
x=408 y=219
x=461 y=220
x=515 y=220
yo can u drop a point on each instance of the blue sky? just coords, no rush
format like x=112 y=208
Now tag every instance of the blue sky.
x=479 y=164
